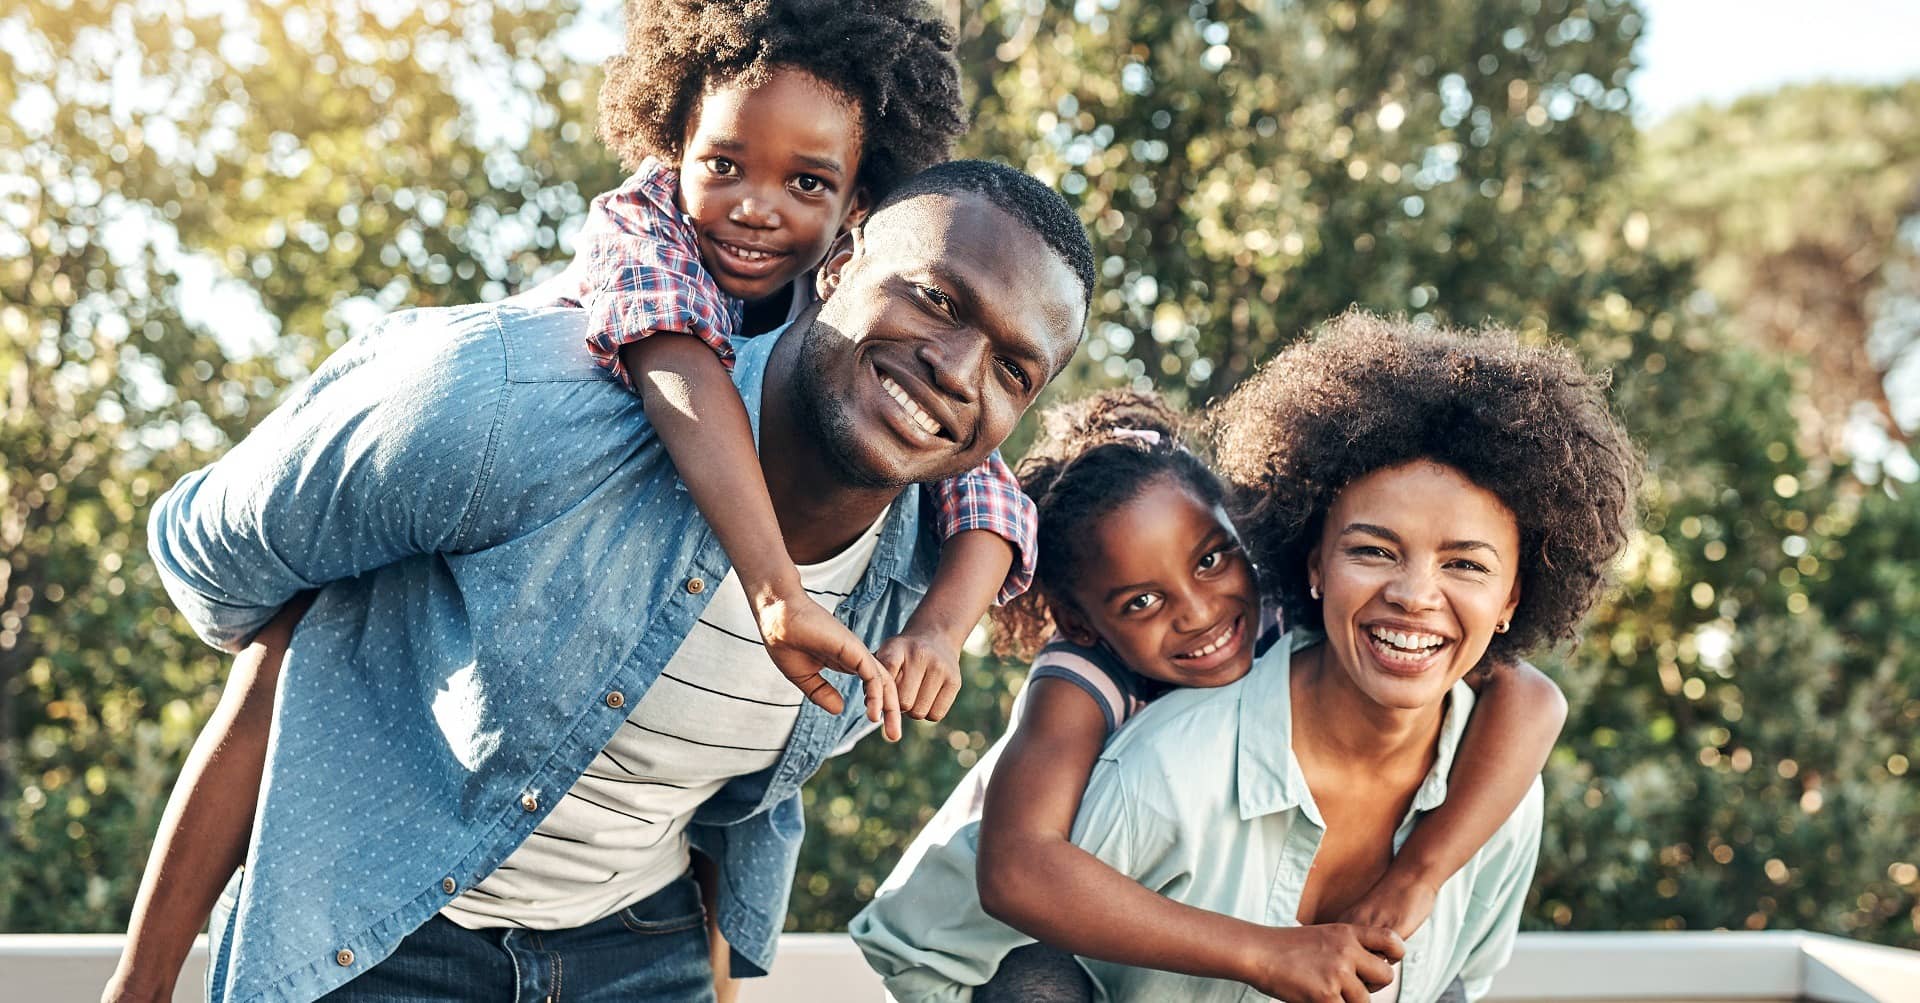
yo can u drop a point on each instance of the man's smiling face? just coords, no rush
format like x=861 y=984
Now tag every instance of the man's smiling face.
x=944 y=317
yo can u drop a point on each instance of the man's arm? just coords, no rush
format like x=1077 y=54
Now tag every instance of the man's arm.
x=376 y=458
x=208 y=821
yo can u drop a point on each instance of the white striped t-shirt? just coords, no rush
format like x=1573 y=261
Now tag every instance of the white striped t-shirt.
x=719 y=710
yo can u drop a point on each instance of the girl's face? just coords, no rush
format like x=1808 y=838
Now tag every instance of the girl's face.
x=1167 y=588
x=1417 y=568
x=767 y=176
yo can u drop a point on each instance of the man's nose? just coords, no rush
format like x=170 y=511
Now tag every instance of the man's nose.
x=956 y=359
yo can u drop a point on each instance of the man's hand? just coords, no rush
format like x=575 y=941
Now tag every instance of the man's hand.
x=926 y=668
x=803 y=638
x=1400 y=905
x=1329 y=963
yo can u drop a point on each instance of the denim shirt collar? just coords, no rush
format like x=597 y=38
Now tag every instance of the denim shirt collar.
x=1268 y=775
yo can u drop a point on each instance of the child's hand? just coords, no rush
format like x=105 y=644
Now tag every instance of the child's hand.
x=1400 y=905
x=1328 y=963
x=926 y=668
x=802 y=638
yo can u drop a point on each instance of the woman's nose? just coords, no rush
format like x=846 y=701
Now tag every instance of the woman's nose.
x=1415 y=590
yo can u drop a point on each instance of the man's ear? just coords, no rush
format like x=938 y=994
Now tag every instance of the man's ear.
x=845 y=249
x=1071 y=625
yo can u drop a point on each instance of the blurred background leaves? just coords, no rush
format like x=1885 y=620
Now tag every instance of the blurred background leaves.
x=198 y=202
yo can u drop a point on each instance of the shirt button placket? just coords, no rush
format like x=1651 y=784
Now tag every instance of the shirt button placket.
x=344 y=957
x=449 y=885
x=696 y=585
x=529 y=803
x=616 y=699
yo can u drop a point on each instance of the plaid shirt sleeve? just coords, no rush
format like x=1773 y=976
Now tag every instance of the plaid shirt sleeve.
x=643 y=273
x=987 y=497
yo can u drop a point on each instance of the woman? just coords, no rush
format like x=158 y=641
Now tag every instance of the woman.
x=1425 y=503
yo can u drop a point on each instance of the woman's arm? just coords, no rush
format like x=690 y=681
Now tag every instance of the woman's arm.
x=208 y=821
x=1028 y=867
x=1515 y=722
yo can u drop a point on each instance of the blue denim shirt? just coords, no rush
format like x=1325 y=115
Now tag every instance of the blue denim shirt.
x=503 y=545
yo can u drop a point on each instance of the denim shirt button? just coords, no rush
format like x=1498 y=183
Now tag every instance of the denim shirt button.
x=345 y=957
x=449 y=885
x=695 y=586
x=529 y=802
x=616 y=699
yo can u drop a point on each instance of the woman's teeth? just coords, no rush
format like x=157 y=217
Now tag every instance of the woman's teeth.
x=1406 y=641
x=916 y=412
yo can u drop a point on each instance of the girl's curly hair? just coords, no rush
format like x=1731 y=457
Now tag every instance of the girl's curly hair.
x=1364 y=393
x=1093 y=455
x=893 y=58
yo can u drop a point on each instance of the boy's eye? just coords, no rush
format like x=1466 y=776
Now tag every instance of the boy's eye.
x=1019 y=375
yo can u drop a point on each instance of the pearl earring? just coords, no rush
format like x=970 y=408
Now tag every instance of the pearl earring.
x=1501 y=627
x=1314 y=591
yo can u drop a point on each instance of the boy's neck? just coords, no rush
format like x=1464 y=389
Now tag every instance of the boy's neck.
x=761 y=316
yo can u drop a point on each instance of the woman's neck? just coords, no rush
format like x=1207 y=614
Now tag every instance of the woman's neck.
x=1334 y=721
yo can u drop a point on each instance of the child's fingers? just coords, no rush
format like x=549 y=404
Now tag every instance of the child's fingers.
x=944 y=703
x=1381 y=941
x=912 y=673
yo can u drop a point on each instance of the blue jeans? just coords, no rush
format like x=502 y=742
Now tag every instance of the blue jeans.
x=654 y=950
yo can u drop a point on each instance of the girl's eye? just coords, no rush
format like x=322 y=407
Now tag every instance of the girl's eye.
x=1140 y=603
x=721 y=166
x=1019 y=375
x=1214 y=560
x=810 y=184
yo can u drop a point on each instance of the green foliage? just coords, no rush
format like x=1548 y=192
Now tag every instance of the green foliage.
x=1744 y=711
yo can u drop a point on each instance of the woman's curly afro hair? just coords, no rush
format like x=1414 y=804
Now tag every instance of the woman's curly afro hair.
x=1093 y=455
x=1364 y=393
x=894 y=59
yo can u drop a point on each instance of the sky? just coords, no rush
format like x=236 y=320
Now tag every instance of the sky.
x=1717 y=50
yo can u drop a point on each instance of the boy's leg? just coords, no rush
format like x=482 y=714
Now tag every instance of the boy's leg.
x=1037 y=973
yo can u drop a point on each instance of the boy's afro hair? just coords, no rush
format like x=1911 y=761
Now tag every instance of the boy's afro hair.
x=894 y=58
x=1364 y=393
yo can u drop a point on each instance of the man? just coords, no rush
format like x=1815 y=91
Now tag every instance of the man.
x=509 y=567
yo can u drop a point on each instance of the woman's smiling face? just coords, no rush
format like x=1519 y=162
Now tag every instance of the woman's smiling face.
x=1167 y=588
x=1417 y=568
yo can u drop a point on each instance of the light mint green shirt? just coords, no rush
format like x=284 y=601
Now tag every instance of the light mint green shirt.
x=1201 y=799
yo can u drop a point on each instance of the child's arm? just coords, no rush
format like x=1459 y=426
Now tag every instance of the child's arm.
x=925 y=656
x=1515 y=722
x=711 y=443
x=1028 y=868
x=208 y=820
x=988 y=528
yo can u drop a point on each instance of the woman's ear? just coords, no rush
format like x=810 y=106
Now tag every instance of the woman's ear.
x=846 y=248
x=1313 y=571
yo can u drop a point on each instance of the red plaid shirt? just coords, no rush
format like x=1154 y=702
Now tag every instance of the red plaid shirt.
x=643 y=274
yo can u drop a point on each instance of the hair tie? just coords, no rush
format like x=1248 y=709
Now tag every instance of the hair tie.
x=1146 y=435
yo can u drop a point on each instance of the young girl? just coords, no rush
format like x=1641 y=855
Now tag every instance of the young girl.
x=760 y=133
x=1143 y=579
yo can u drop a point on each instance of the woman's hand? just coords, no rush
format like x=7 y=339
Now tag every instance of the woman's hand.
x=1328 y=963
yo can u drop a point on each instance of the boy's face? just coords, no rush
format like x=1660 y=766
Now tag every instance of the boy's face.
x=767 y=175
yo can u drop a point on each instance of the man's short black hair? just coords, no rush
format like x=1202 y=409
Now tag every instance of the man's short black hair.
x=1016 y=193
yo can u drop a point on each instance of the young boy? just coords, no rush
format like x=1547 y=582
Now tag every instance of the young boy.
x=760 y=134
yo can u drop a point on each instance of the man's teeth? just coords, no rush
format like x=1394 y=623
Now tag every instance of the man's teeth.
x=1219 y=641
x=1405 y=640
x=916 y=412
